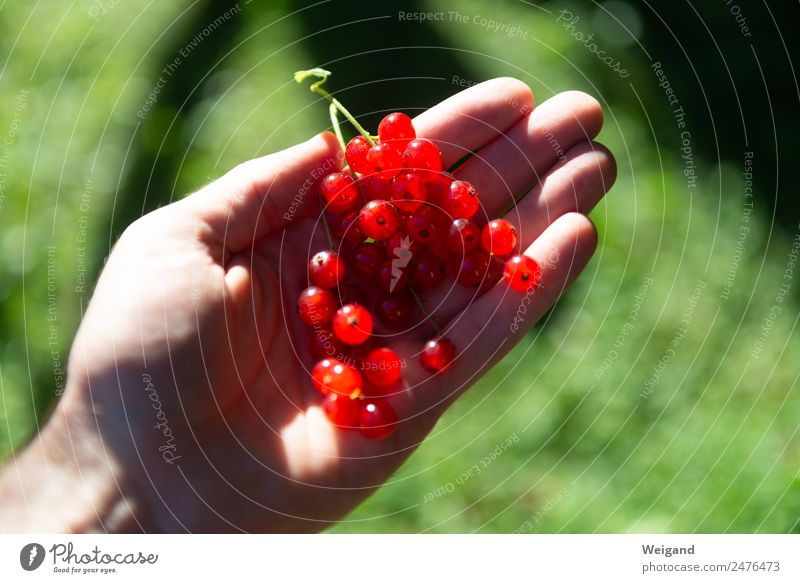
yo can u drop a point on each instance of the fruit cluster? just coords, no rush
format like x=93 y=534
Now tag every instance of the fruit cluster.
x=402 y=224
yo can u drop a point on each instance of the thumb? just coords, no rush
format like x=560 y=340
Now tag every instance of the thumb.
x=267 y=193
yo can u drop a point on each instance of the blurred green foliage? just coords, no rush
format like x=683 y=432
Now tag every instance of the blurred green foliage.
x=712 y=447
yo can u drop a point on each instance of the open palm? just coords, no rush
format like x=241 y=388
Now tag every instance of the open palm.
x=193 y=325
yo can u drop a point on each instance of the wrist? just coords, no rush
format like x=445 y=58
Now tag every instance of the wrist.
x=65 y=480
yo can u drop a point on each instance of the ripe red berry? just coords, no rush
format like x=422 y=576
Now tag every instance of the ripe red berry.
x=378 y=419
x=342 y=411
x=522 y=273
x=326 y=269
x=397 y=129
x=438 y=184
x=331 y=375
x=427 y=270
x=368 y=259
x=382 y=366
x=474 y=269
x=437 y=355
x=464 y=236
x=352 y=324
x=422 y=154
x=356 y=155
x=408 y=192
x=426 y=226
x=375 y=187
x=339 y=192
x=499 y=237
x=461 y=201
x=316 y=306
x=378 y=219
x=395 y=310
x=345 y=227
x=385 y=160
x=393 y=276
x=323 y=344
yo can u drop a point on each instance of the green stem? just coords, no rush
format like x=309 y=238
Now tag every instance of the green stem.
x=316 y=87
x=336 y=128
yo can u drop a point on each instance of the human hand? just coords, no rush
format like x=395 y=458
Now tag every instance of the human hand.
x=190 y=371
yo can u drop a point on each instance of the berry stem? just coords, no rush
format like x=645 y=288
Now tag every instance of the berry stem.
x=316 y=87
x=424 y=310
x=336 y=127
x=327 y=230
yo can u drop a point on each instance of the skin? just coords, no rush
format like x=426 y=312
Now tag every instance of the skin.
x=189 y=405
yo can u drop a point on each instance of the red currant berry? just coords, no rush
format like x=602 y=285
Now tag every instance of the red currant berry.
x=462 y=200
x=316 y=306
x=499 y=237
x=326 y=269
x=464 y=236
x=339 y=192
x=438 y=184
x=375 y=187
x=522 y=273
x=474 y=268
x=323 y=344
x=437 y=355
x=368 y=259
x=408 y=192
x=378 y=219
x=397 y=129
x=352 y=324
x=395 y=310
x=345 y=227
x=427 y=270
x=422 y=154
x=382 y=366
x=393 y=277
x=331 y=375
x=378 y=419
x=356 y=155
x=385 y=160
x=426 y=226
x=342 y=411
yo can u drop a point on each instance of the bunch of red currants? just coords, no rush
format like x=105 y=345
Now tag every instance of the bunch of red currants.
x=403 y=224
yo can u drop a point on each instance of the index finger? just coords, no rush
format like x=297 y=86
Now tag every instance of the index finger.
x=466 y=121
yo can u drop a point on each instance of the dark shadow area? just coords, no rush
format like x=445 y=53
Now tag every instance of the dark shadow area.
x=405 y=65
x=730 y=66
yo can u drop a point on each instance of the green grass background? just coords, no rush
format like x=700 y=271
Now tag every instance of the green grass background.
x=713 y=448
